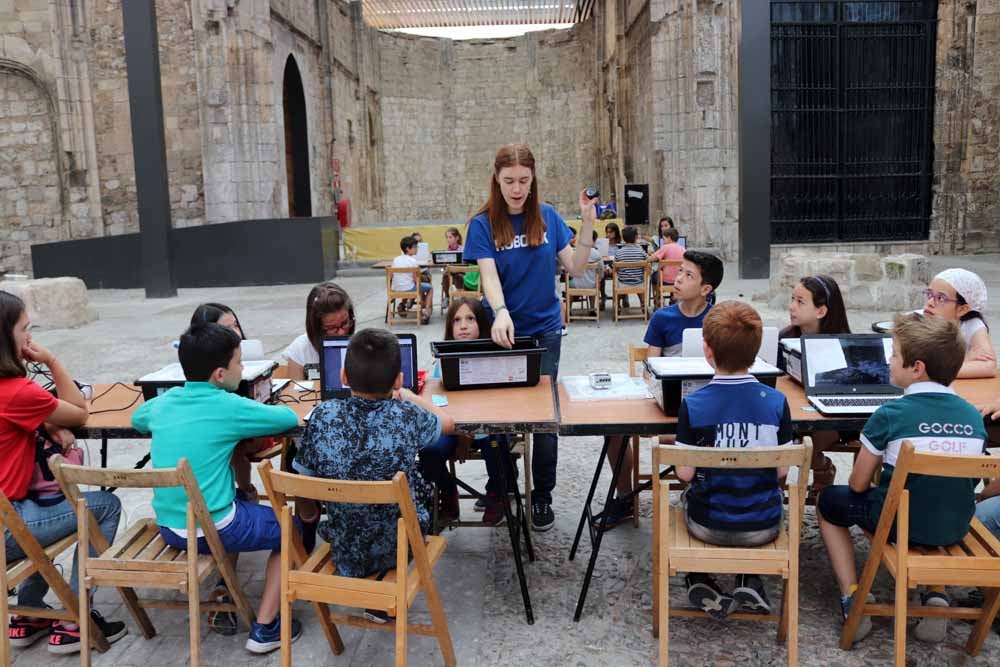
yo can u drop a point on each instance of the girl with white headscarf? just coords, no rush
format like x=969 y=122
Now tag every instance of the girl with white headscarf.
x=960 y=295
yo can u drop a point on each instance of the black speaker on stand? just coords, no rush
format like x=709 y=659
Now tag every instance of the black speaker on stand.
x=637 y=204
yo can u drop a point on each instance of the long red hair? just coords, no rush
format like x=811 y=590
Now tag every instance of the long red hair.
x=495 y=208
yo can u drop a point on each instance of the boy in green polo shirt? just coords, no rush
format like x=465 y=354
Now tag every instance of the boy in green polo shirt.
x=203 y=421
x=927 y=353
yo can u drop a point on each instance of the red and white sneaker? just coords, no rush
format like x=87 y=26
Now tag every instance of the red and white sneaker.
x=26 y=631
x=65 y=637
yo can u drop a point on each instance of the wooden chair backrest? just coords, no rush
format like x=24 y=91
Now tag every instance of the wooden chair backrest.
x=596 y=267
x=70 y=478
x=715 y=457
x=646 y=271
x=391 y=271
x=911 y=462
x=457 y=273
x=636 y=354
x=282 y=485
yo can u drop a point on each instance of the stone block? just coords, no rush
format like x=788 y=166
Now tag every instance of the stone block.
x=54 y=303
x=907 y=267
x=867 y=267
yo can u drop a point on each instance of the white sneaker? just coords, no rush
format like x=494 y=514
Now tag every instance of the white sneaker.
x=932 y=630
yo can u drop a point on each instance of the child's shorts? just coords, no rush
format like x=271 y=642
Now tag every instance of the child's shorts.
x=424 y=288
x=843 y=507
x=253 y=528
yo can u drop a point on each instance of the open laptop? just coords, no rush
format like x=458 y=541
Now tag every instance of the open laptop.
x=847 y=374
x=334 y=350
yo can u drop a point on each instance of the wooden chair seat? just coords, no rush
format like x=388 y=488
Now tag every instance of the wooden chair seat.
x=316 y=575
x=141 y=549
x=591 y=296
x=689 y=554
x=976 y=556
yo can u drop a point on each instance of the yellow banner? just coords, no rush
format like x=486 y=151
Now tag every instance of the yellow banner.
x=374 y=244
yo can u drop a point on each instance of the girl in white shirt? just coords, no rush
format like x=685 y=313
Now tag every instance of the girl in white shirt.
x=329 y=312
x=960 y=295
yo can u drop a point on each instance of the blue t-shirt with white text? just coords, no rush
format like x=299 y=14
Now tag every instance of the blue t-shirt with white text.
x=526 y=273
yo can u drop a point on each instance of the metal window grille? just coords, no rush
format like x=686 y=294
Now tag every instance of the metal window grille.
x=852 y=104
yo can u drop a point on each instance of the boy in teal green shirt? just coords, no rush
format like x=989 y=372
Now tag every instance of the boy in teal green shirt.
x=203 y=421
x=927 y=353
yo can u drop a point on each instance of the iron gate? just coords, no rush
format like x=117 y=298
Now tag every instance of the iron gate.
x=852 y=97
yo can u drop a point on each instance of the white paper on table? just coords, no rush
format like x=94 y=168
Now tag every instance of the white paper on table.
x=623 y=388
x=493 y=370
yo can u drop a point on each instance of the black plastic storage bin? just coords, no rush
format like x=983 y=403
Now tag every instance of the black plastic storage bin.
x=481 y=363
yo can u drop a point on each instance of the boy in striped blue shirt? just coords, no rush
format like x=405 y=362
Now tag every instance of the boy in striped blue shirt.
x=737 y=507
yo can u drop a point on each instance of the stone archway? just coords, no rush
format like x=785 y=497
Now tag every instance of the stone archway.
x=30 y=191
x=296 y=142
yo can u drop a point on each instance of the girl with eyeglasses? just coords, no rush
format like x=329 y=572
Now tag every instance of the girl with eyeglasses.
x=329 y=312
x=959 y=295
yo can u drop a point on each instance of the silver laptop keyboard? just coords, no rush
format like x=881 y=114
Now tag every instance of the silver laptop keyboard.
x=856 y=402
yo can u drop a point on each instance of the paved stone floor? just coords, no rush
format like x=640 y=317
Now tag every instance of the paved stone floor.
x=476 y=573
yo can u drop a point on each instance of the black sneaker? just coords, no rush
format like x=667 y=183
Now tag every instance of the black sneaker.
x=65 y=637
x=542 y=516
x=223 y=622
x=618 y=512
x=750 y=595
x=706 y=595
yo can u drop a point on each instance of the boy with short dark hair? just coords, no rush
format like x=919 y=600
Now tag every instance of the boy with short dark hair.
x=927 y=354
x=203 y=421
x=630 y=252
x=371 y=436
x=732 y=507
x=698 y=278
x=405 y=283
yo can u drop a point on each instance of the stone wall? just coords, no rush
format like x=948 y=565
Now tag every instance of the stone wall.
x=30 y=189
x=867 y=280
x=966 y=205
x=446 y=107
x=636 y=107
x=694 y=65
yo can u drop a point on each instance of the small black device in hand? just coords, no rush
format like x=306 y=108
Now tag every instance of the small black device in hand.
x=592 y=192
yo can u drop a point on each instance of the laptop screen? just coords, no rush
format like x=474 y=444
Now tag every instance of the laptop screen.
x=335 y=351
x=847 y=361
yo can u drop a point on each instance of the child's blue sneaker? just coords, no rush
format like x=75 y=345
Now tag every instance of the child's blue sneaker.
x=265 y=638
x=865 y=626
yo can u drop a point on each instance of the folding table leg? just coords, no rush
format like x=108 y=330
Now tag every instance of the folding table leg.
x=515 y=540
x=596 y=548
x=584 y=517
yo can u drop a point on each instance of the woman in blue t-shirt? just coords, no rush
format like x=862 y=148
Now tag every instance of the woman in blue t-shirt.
x=519 y=243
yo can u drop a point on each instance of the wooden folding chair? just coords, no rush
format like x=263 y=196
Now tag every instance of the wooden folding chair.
x=457 y=291
x=38 y=559
x=315 y=579
x=139 y=558
x=641 y=290
x=661 y=293
x=675 y=550
x=591 y=296
x=974 y=561
x=395 y=298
